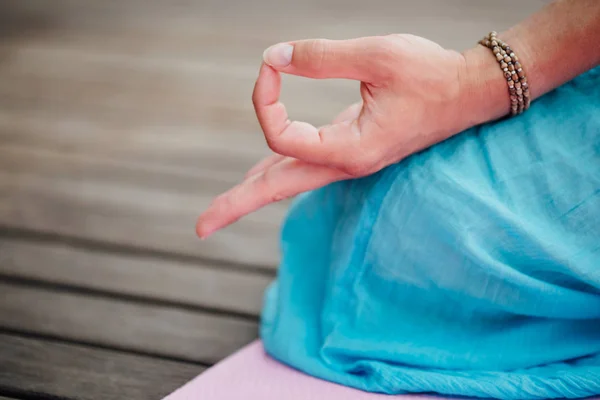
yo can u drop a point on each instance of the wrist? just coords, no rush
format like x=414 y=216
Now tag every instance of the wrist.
x=484 y=92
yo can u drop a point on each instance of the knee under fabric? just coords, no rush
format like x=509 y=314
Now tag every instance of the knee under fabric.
x=469 y=269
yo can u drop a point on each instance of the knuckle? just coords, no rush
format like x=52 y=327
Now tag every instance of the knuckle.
x=393 y=42
x=256 y=93
x=385 y=52
x=316 y=54
x=361 y=166
x=223 y=202
x=355 y=169
x=272 y=192
x=275 y=197
x=273 y=143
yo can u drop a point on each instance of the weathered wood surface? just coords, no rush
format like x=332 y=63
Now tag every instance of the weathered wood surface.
x=117 y=203
x=122 y=119
x=147 y=328
x=119 y=121
x=42 y=367
x=179 y=283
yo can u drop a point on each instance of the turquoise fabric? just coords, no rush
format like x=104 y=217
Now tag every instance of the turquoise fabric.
x=469 y=269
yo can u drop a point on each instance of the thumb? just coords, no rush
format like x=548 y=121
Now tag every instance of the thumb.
x=367 y=59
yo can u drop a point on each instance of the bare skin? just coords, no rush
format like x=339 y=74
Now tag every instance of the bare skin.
x=405 y=80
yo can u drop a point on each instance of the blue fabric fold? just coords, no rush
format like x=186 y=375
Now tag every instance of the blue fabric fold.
x=469 y=269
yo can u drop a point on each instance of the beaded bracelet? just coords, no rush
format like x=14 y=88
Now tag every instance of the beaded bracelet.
x=518 y=88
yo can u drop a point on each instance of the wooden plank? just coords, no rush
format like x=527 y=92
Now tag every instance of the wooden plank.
x=160 y=93
x=254 y=20
x=180 y=282
x=36 y=367
x=175 y=58
x=126 y=204
x=128 y=139
x=167 y=92
x=145 y=328
x=207 y=76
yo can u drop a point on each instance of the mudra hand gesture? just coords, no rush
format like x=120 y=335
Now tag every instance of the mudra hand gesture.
x=414 y=94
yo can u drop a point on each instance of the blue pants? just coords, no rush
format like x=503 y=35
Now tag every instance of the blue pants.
x=470 y=269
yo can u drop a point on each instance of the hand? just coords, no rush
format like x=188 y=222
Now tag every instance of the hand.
x=414 y=94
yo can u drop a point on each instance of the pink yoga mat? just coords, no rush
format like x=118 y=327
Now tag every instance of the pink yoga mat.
x=250 y=374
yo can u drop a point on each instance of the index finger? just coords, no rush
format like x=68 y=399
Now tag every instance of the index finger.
x=282 y=180
x=297 y=139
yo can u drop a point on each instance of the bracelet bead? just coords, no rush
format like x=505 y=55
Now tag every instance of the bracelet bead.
x=518 y=88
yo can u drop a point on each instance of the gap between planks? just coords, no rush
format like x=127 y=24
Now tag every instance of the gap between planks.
x=41 y=369
x=55 y=194
x=141 y=277
x=150 y=329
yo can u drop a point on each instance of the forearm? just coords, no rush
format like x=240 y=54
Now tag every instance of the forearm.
x=554 y=45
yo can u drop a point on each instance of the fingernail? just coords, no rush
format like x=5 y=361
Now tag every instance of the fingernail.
x=279 y=55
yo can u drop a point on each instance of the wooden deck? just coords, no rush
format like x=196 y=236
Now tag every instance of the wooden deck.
x=119 y=121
